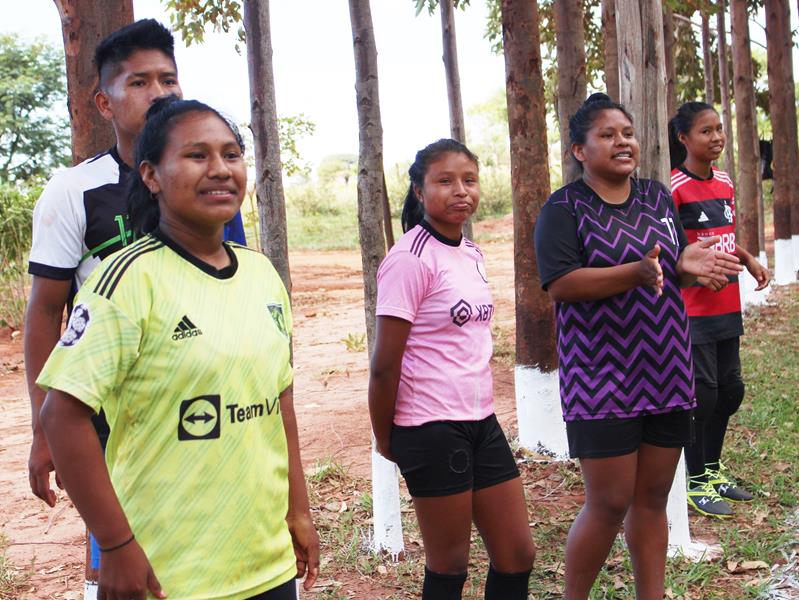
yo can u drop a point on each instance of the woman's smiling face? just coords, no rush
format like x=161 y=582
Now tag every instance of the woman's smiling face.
x=610 y=151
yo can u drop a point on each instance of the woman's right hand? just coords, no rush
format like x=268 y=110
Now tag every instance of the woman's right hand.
x=383 y=448
x=126 y=574
x=649 y=270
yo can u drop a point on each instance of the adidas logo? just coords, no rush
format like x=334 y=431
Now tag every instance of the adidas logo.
x=186 y=329
x=703 y=217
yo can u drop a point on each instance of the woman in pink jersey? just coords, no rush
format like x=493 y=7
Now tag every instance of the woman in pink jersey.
x=430 y=386
x=705 y=199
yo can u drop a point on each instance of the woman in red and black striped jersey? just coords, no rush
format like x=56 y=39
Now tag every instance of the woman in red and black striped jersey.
x=705 y=199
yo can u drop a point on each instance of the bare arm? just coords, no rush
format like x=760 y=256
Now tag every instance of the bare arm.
x=384 y=375
x=125 y=571
x=43 y=318
x=303 y=532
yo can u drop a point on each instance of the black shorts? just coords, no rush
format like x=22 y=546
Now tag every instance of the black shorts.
x=717 y=363
x=286 y=591
x=603 y=438
x=442 y=458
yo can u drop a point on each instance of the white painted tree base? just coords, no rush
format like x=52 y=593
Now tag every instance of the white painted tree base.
x=680 y=543
x=795 y=246
x=387 y=528
x=747 y=285
x=89 y=590
x=784 y=269
x=541 y=426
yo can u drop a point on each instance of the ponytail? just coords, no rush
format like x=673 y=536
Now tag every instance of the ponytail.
x=677 y=151
x=412 y=210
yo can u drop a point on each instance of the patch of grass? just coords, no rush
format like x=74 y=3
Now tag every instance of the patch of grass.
x=12 y=581
x=355 y=342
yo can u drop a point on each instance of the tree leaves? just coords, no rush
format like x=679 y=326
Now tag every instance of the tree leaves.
x=34 y=140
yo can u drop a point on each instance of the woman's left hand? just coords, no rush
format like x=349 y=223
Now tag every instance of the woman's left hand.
x=701 y=259
x=306 y=548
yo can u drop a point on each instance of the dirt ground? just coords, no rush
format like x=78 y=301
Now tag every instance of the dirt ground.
x=330 y=399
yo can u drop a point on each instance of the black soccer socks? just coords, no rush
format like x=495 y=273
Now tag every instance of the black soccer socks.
x=506 y=586
x=438 y=586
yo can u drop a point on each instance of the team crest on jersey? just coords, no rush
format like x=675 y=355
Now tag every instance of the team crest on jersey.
x=276 y=311
x=728 y=212
x=78 y=324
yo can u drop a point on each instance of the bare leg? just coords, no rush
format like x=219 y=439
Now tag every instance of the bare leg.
x=446 y=526
x=646 y=526
x=500 y=514
x=609 y=486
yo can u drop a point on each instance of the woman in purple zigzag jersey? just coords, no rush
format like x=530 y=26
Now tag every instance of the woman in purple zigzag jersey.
x=612 y=254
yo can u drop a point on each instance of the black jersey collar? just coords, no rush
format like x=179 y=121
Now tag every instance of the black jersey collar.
x=625 y=204
x=443 y=239
x=224 y=273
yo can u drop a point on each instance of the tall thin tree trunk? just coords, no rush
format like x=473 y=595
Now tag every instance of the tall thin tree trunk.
x=748 y=192
x=84 y=23
x=387 y=526
x=571 y=75
x=671 y=70
x=263 y=123
x=370 y=157
x=643 y=81
x=457 y=127
x=724 y=86
x=783 y=119
x=707 y=60
x=537 y=397
x=611 y=48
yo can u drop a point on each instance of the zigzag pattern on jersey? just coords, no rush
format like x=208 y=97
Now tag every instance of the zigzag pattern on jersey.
x=640 y=367
x=629 y=354
x=117 y=265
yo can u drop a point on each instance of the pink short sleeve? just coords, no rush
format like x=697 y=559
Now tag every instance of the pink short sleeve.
x=402 y=283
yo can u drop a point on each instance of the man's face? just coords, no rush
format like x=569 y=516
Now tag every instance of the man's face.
x=140 y=80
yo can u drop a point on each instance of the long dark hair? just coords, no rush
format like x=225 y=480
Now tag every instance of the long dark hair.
x=412 y=210
x=582 y=120
x=681 y=123
x=162 y=117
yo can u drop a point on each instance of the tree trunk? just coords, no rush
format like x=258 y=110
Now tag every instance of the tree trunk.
x=536 y=378
x=571 y=76
x=748 y=192
x=707 y=60
x=783 y=119
x=724 y=86
x=263 y=123
x=639 y=25
x=671 y=72
x=457 y=127
x=370 y=157
x=611 y=48
x=84 y=23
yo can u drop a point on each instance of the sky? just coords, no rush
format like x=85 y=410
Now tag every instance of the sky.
x=315 y=68
x=315 y=72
